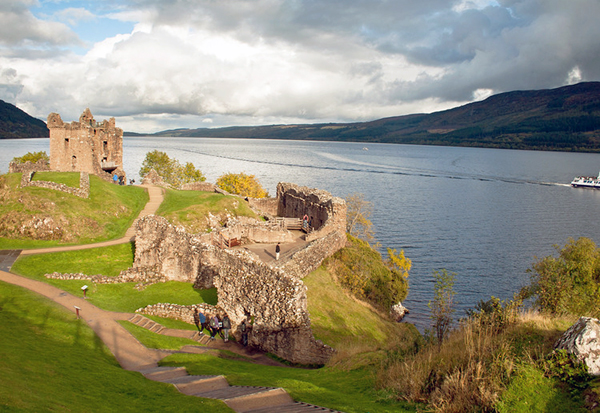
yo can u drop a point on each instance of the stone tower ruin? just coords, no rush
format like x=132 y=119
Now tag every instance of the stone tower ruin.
x=86 y=146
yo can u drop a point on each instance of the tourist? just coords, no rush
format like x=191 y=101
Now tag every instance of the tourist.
x=116 y=178
x=244 y=330
x=305 y=223
x=197 y=319
x=277 y=251
x=214 y=326
x=200 y=321
x=226 y=327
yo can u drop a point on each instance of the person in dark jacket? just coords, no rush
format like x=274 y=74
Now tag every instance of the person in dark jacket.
x=226 y=327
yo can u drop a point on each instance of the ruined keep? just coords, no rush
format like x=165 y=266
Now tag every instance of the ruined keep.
x=271 y=294
x=86 y=146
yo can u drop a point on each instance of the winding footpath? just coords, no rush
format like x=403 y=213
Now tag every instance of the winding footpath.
x=132 y=355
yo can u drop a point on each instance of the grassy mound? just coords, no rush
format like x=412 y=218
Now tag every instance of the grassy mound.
x=193 y=208
x=35 y=217
x=53 y=362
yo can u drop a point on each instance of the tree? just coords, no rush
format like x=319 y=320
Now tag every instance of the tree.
x=442 y=306
x=32 y=157
x=242 y=184
x=170 y=170
x=569 y=283
x=358 y=211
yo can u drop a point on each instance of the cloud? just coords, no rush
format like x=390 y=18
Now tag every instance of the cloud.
x=274 y=61
x=20 y=29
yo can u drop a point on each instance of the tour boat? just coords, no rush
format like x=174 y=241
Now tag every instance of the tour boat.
x=586 y=181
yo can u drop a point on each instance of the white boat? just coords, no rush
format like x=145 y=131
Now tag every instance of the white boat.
x=586 y=181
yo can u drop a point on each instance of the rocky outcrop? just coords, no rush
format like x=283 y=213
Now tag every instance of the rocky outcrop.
x=398 y=311
x=583 y=340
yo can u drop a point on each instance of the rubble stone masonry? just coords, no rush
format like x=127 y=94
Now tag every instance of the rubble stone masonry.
x=86 y=146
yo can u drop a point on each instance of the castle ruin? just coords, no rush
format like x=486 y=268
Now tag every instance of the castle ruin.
x=86 y=146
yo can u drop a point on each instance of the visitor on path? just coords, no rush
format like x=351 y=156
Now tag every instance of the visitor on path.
x=214 y=326
x=200 y=321
x=305 y=223
x=226 y=327
x=277 y=251
x=244 y=330
x=116 y=178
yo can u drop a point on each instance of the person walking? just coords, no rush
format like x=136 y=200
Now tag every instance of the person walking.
x=226 y=327
x=214 y=326
x=277 y=251
x=244 y=330
x=197 y=319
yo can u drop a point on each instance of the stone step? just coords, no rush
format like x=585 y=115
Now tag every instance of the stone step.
x=268 y=398
x=232 y=392
x=295 y=407
x=135 y=319
x=156 y=328
x=195 y=385
x=164 y=373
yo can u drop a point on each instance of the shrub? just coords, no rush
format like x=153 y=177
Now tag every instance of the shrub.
x=442 y=306
x=170 y=170
x=32 y=157
x=569 y=283
x=241 y=184
x=568 y=369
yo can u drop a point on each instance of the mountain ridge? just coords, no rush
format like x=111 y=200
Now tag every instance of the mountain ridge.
x=15 y=123
x=564 y=118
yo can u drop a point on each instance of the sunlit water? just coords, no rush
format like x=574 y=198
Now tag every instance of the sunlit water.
x=481 y=213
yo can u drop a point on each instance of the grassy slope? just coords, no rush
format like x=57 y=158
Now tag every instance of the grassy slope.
x=107 y=214
x=108 y=261
x=53 y=362
x=190 y=208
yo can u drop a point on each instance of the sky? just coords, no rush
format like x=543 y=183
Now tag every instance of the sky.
x=165 y=64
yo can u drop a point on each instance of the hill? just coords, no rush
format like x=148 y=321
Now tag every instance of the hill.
x=566 y=118
x=14 y=123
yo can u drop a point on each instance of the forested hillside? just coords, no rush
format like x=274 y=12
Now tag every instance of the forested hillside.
x=14 y=123
x=566 y=118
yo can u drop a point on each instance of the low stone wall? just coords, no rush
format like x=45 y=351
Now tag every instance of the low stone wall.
x=255 y=231
x=83 y=191
x=142 y=276
x=265 y=205
x=199 y=186
x=183 y=313
x=309 y=258
x=39 y=166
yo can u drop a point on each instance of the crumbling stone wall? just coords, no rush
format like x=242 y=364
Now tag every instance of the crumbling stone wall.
x=83 y=191
x=86 y=146
x=266 y=205
x=246 y=287
x=328 y=213
x=26 y=167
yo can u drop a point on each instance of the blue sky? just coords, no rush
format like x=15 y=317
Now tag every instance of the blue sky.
x=162 y=64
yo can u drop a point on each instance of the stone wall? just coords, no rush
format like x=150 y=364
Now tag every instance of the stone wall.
x=327 y=213
x=86 y=146
x=26 y=167
x=183 y=313
x=246 y=287
x=83 y=191
x=309 y=258
x=265 y=205
x=199 y=186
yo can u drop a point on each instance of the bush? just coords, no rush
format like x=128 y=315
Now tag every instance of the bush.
x=242 y=184
x=361 y=269
x=568 y=369
x=569 y=283
x=170 y=170
x=32 y=157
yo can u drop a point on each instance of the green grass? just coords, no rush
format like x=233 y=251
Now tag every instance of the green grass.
x=67 y=178
x=106 y=214
x=348 y=391
x=532 y=392
x=53 y=362
x=348 y=325
x=158 y=341
x=108 y=261
x=190 y=208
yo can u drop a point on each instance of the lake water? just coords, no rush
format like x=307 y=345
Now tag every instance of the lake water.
x=483 y=214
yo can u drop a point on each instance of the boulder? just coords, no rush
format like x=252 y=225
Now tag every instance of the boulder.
x=583 y=340
x=398 y=311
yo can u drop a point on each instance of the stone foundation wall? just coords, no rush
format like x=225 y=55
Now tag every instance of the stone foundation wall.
x=26 y=167
x=183 y=313
x=265 y=205
x=199 y=186
x=83 y=191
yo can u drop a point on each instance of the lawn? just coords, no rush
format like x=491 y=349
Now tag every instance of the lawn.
x=190 y=208
x=53 y=362
x=108 y=261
